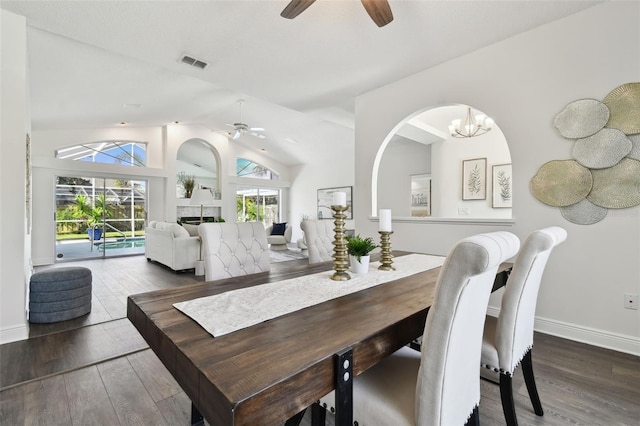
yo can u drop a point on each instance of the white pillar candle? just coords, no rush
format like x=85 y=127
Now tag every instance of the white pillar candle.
x=384 y=216
x=339 y=198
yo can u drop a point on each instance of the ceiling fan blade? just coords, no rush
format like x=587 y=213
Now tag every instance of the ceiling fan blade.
x=236 y=135
x=257 y=129
x=379 y=11
x=295 y=8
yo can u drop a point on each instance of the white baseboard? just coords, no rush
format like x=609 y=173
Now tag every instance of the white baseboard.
x=43 y=261
x=13 y=334
x=591 y=336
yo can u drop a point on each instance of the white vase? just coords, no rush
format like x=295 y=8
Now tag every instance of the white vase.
x=361 y=267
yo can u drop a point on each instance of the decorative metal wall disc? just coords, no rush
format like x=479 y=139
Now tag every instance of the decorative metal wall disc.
x=581 y=118
x=584 y=213
x=624 y=108
x=561 y=183
x=617 y=187
x=604 y=149
x=635 y=149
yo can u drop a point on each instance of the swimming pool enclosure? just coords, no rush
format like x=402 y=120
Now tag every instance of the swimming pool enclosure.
x=99 y=217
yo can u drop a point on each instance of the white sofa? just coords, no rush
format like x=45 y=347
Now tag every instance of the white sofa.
x=171 y=245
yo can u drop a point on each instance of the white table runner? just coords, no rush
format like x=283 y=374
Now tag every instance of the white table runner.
x=237 y=309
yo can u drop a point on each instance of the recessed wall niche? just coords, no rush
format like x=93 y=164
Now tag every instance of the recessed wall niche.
x=198 y=159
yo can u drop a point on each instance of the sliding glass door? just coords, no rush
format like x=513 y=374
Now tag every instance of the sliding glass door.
x=99 y=217
x=258 y=205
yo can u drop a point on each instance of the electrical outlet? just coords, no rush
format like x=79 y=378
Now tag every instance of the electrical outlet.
x=630 y=301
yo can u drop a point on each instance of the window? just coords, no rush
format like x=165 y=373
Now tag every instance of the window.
x=126 y=153
x=258 y=205
x=247 y=168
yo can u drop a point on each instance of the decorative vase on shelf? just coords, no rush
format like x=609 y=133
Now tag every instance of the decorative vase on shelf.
x=189 y=184
x=359 y=266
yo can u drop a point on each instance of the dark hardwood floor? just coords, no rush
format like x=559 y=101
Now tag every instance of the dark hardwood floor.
x=97 y=369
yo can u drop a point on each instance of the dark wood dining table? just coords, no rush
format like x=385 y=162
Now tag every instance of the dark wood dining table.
x=273 y=371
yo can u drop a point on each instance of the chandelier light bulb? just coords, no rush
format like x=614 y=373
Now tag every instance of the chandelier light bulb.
x=471 y=126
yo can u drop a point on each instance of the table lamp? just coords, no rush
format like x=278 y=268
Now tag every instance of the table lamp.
x=201 y=197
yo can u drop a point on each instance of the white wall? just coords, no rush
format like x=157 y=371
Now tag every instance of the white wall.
x=333 y=170
x=15 y=247
x=447 y=172
x=402 y=158
x=524 y=82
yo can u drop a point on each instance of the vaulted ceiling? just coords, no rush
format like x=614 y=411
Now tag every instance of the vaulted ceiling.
x=98 y=63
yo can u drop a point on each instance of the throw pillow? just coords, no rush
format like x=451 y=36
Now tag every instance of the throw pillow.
x=178 y=231
x=278 y=228
x=191 y=229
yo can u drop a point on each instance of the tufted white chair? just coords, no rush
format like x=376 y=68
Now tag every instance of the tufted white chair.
x=441 y=385
x=508 y=339
x=233 y=249
x=318 y=237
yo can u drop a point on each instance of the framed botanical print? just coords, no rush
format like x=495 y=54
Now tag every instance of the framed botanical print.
x=502 y=189
x=325 y=199
x=474 y=179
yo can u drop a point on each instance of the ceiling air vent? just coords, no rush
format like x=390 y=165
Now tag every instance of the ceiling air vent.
x=193 y=62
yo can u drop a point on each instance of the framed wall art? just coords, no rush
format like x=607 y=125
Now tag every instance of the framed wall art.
x=474 y=179
x=421 y=195
x=325 y=199
x=502 y=186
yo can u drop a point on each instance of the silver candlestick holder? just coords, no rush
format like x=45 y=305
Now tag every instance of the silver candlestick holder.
x=340 y=257
x=386 y=259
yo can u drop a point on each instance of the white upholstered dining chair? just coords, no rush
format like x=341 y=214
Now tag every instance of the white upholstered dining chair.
x=440 y=385
x=318 y=237
x=508 y=339
x=233 y=249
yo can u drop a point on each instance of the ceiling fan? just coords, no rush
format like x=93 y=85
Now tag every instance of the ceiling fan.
x=239 y=127
x=378 y=10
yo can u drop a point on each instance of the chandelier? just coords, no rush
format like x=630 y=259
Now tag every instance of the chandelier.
x=471 y=126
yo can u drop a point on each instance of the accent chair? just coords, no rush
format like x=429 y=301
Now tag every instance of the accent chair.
x=233 y=249
x=508 y=339
x=440 y=385
x=318 y=237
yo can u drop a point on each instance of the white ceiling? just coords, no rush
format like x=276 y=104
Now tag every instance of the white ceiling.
x=299 y=77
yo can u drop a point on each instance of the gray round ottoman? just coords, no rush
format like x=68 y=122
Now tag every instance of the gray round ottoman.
x=59 y=294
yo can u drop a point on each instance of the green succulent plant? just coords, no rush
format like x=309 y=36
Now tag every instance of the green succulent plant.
x=189 y=184
x=358 y=246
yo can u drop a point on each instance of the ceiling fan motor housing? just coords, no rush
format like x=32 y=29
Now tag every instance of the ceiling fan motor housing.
x=241 y=127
